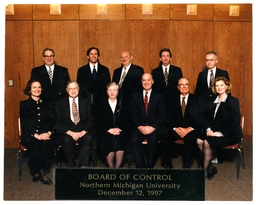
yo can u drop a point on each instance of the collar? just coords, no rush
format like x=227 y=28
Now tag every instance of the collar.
x=213 y=70
x=127 y=67
x=71 y=99
x=168 y=67
x=186 y=96
x=223 y=100
x=92 y=66
x=47 y=66
x=149 y=91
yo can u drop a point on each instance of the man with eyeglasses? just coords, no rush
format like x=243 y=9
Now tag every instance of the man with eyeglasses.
x=183 y=123
x=206 y=77
x=53 y=79
x=74 y=124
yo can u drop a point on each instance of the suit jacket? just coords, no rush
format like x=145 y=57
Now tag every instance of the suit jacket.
x=175 y=73
x=108 y=119
x=131 y=84
x=156 y=111
x=227 y=119
x=202 y=86
x=87 y=84
x=55 y=91
x=34 y=120
x=64 y=122
x=190 y=117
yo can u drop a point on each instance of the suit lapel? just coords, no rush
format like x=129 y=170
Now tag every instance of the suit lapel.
x=151 y=102
x=119 y=72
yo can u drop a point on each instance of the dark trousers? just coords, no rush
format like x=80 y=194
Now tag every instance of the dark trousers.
x=69 y=149
x=166 y=149
x=150 y=148
x=190 y=147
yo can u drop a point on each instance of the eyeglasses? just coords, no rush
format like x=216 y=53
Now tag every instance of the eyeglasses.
x=211 y=60
x=184 y=85
x=51 y=56
x=71 y=89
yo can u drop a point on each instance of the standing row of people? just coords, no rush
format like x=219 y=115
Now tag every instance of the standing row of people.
x=114 y=113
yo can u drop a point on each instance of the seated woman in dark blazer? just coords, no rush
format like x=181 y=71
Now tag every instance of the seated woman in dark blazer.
x=111 y=134
x=37 y=127
x=221 y=123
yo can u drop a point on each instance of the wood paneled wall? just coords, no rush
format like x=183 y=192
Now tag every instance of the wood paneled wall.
x=79 y=27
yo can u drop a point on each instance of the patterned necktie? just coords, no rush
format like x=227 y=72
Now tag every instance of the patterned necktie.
x=166 y=76
x=50 y=74
x=75 y=112
x=146 y=102
x=122 y=78
x=94 y=74
x=211 y=79
x=183 y=106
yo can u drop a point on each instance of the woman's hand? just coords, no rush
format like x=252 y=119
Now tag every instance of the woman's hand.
x=43 y=136
x=213 y=134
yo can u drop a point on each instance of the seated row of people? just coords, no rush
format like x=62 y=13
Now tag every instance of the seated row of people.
x=207 y=126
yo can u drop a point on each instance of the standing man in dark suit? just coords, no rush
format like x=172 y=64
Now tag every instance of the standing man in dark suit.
x=53 y=79
x=93 y=79
x=128 y=77
x=204 y=79
x=166 y=78
x=183 y=122
x=148 y=116
x=74 y=124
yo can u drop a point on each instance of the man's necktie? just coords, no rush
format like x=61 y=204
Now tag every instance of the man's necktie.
x=211 y=79
x=122 y=78
x=183 y=106
x=94 y=74
x=75 y=112
x=146 y=102
x=166 y=76
x=50 y=74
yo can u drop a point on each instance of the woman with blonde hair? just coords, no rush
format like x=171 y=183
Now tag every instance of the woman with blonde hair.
x=221 y=123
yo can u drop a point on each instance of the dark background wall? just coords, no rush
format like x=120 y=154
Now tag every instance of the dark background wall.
x=32 y=28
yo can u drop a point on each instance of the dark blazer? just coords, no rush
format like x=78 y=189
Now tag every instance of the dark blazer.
x=131 y=84
x=156 y=111
x=175 y=73
x=227 y=118
x=87 y=84
x=108 y=119
x=189 y=119
x=202 y=86
x=55 y=91
x=34 y=120
x=64 y=122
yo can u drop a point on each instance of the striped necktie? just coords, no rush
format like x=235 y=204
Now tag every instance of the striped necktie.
x=166 y=76
x=123 y=77
x=50 y=74
x=211 y=79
